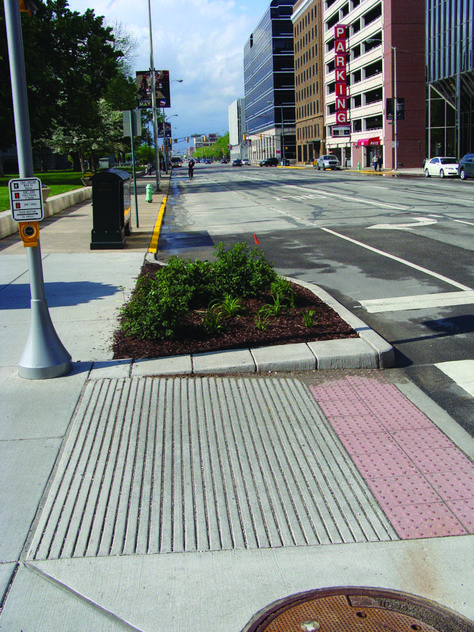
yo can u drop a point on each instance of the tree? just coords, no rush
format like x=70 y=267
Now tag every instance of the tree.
x=73 y=67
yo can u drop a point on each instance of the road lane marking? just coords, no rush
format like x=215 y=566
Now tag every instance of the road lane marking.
x=351 y=198
x=462 y=221
x=419 y=221
x=420 y=301
x=461 y=372
x=440 y=277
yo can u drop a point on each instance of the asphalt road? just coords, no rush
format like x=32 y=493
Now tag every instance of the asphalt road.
x=397 y=251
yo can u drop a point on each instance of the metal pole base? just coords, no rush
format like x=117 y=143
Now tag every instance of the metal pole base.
x=44 y=355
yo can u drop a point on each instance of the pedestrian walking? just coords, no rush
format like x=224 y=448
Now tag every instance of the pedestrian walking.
x=380 y=162
x=191 y=164
x=375 y=162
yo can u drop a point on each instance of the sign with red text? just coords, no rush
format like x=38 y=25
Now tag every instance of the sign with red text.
x=340 y=67
x=26 y=199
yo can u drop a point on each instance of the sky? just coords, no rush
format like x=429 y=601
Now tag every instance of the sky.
x=199 y=41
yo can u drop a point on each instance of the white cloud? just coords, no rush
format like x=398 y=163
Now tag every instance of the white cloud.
x=199 y=41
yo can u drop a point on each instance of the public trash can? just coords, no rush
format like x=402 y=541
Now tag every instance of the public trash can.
x=110 y=209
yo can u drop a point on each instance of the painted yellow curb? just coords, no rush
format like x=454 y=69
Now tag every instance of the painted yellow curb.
x=153 y=246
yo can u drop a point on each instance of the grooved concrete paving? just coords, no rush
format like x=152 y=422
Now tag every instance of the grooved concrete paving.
x=208 y=464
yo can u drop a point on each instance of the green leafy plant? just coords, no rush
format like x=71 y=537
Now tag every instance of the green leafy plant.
x=282 y=289
x=262 y=318
x=275 y=308
x=213 y=320
x=230 y=306
x=309 y=318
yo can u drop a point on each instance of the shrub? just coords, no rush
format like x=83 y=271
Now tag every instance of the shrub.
x=160 y=303
x=242 y=272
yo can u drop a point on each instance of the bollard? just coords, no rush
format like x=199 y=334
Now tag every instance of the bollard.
x=149 y=193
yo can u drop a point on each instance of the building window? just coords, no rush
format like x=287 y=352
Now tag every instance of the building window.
x=373 y=122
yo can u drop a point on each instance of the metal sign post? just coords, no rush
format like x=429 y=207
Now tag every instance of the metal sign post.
x=44 y=355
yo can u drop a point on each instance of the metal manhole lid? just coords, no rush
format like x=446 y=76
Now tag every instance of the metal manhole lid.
x=357 y=610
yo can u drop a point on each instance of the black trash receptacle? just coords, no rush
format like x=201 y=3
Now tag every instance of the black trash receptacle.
x=110 y=209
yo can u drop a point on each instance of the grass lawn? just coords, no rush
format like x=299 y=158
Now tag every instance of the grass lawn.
x=57 y=181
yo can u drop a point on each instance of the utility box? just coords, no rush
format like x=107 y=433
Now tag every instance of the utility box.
x=110 y=209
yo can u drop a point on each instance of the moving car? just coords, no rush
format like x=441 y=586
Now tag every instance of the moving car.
x=328 y=161
x=269 y=162
x=466 y=167
x=442 y=166
x=237 y=163
x=176 y=162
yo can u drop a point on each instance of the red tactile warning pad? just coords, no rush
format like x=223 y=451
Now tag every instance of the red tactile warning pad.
x=423 y=482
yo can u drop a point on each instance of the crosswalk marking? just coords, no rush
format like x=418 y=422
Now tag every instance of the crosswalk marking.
x=461 y=372
x=420 y=301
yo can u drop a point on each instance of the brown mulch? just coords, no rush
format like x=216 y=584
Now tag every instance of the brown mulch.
x=240 y=332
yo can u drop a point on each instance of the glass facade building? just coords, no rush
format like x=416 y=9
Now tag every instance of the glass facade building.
x=269 y=83
x=450 y=77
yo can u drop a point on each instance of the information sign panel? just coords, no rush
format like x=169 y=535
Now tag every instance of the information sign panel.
x=26 y=199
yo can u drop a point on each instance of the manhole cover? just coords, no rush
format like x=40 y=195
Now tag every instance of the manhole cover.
x=357 y=610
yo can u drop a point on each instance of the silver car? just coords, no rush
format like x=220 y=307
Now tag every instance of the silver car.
x=328 y=161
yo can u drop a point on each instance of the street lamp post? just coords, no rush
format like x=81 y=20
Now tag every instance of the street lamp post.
x=153 y=103
x=282 y=135
x=395 y=102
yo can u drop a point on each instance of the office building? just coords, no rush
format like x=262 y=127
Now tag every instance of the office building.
x=237 y=130
x=450 y=76
x=309 y=112
x=374 y=60
x=269 y=85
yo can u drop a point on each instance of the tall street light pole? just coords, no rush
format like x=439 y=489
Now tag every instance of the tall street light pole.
x=153 y=102
x=395 y=104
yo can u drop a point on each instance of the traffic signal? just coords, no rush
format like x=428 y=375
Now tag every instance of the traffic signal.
x=27 y=6
x=187 y=139
x=204 y=138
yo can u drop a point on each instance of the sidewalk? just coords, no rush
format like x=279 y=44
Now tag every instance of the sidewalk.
x=192 y=502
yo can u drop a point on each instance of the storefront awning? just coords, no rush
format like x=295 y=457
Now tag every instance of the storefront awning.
x=364 y=142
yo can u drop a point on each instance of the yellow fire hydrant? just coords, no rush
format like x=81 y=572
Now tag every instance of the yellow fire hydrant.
x=149 y=193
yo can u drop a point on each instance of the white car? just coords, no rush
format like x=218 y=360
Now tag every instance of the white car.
x=442 y=166
x=329 y=161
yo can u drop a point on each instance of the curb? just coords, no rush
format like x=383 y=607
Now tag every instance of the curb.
x=369 y=351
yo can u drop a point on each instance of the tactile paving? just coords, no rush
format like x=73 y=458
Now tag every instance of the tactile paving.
x=156 y=465
x=423 y=482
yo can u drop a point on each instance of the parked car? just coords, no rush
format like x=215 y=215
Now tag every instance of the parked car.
x=269 y=162
x=466 y=167
x=328 y=161
x=245 y=161
x=237 y=163
x=442 y=166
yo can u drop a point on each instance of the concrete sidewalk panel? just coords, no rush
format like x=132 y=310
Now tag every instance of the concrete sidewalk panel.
x=212 y=592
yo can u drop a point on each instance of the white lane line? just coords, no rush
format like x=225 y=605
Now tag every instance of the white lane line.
x=461 y=372
x=350 y=198
x=420 y=301
x=440 y=277
x=462 y=221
